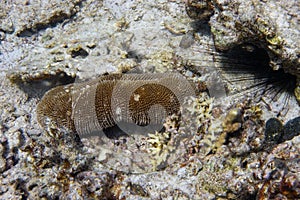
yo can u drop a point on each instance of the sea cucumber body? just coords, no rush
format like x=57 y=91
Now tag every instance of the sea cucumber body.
x=104 y=102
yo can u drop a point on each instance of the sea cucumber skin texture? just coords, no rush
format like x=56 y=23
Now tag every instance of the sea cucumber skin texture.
x=140 y=99
x=56 y=106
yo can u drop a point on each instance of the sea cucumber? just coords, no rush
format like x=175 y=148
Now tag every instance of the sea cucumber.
x=109 y=100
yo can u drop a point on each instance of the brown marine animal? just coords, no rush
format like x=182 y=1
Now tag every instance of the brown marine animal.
x=110 y=100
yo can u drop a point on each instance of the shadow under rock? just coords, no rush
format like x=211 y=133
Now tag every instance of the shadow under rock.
x=37 y=88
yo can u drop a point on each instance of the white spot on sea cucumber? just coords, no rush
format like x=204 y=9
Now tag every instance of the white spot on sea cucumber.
x=136 y=97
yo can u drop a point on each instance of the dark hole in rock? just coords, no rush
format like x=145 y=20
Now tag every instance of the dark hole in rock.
x=79 y=51
x=36 y=88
